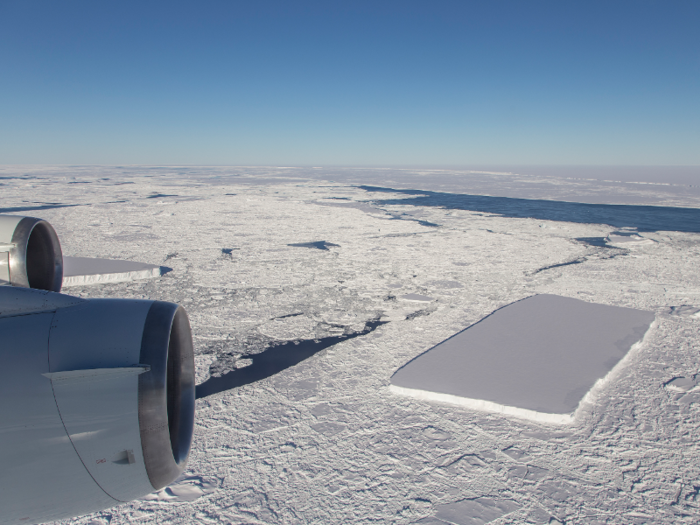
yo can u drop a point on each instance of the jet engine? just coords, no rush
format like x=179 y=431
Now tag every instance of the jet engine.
x=96 y=395
x=30 y=254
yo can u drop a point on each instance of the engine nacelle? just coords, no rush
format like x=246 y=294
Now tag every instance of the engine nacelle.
x=96 y=402
x=30 y=254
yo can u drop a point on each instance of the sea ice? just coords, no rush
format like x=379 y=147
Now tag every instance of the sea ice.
x=476 y=511
x=445 y=285
x=535 y=358
x=322 y=440
x=186 y=488
x=627 y=238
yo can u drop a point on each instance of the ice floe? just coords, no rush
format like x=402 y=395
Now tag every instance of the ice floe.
x=416 y=298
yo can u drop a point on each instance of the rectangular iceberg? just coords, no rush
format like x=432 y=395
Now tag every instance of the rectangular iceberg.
x=535 y=358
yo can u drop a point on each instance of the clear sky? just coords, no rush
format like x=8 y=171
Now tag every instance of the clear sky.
x=350 y=82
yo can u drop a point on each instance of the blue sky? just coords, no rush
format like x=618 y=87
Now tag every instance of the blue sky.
x=350 y=82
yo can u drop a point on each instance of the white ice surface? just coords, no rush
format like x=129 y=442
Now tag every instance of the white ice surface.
x=326 y=441
x=188 y=488
x=483 y=405
x=628 y=240
x=80 y=271
x=536 y=358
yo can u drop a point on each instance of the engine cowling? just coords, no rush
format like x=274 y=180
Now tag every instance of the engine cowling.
x=30 y=253
x=96 y=402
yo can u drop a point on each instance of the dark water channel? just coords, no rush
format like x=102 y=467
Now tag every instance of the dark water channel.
x=37 y=208
x=160 y=196
x=319 y=245
x=598 y=242
x=643 y=218
x=274 y=359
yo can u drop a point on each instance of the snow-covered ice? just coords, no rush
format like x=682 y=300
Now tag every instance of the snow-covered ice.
x=185 y=488
x=627 y=238
x=536 y=358
x=79 y=271
x=325 y=440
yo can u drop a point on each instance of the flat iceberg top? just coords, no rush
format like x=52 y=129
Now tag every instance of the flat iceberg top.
x=81 y=271
x=73 y=266
x=542 y=354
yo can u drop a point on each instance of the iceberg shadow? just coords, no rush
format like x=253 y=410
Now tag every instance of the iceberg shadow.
x=274 y=359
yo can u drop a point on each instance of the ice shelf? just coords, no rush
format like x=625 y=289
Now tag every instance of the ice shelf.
x=536 y=358
x=80 y=271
